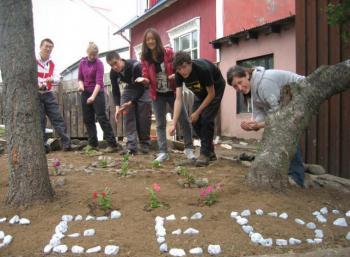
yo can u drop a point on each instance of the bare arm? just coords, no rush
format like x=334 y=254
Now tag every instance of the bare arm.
x=177 y=109
x=207 y=100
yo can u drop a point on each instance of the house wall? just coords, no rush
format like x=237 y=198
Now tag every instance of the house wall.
x=177 y=14
x=282 y=46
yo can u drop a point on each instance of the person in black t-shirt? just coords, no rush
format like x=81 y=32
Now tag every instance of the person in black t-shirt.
x=205 y=80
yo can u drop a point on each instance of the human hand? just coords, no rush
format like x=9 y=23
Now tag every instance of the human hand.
x=194 y=117
x=90 y=100
x=81 y=88
x=171 y=77
x=172 y=130
x=124 y=107
x=250 y=125
x=140 y=80
x=116 y=114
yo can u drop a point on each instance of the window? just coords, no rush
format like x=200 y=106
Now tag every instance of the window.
x=265 y=61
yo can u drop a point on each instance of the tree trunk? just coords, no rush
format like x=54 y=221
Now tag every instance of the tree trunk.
x=284 y=128
x=27 y=165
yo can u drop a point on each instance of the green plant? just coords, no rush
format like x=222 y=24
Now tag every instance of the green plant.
x=103 y=199
x=339 y=14
x=156 y=164
x=125 y=165
x=153 y=199
x=89 y=150
x=182 y=171
x=103 y=163
x=209 y=194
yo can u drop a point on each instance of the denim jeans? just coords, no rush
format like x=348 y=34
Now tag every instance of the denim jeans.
x=296 y=168
x=159 y=108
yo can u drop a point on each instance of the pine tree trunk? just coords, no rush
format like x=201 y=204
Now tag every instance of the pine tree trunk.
x=27 y=164
x=284 y=128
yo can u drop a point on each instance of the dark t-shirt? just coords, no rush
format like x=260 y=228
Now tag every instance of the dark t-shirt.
x=204 y=74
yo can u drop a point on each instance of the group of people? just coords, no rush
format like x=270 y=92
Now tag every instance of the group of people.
x=155 y=83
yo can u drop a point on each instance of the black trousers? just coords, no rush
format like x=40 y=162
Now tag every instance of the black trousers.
x=98 y=109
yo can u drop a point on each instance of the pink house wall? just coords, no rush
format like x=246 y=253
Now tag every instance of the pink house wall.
x=282 y=46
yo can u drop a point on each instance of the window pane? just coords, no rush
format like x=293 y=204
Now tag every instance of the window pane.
x=194 y=54
x=176 y=44
x=185 y=42
x=194 y=39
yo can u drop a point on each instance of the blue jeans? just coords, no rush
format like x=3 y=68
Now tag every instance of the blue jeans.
x=296 y=168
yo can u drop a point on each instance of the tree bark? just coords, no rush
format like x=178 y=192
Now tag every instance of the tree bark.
x=27 y=164
x=284 y=128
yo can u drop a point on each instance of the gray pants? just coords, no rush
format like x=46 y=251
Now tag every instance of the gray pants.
x=159 y=108
x=49 y=107
x=137 y=121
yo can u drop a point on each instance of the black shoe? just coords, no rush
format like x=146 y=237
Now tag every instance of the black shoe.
x=144 y=149
x=202 y=161
x=212 y=157
x=247 y=157
x=128 y=151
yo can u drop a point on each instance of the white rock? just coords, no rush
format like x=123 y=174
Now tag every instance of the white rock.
x=247 y=229
x=89 y=232
x=256 y=238
x=294 y=241
x=7 y=239
x=259 y=212
x=77 y=249
x=74 y=235
x=348 y=236
x=160 y=232
x=170 y=217
x=316 y=213
x=318 y=240
x=273 y=214
x=281 y=242
x=268 y=242
x=2 y=235
x=89 y=217
x=48 y=248
x=159 y=219
x=347 y=213
x=283 y=215
x=67 y=218
x=24 y=221
x=61 y=229
x=318 y=233
x=311 y=225
x=321 y=219
x=102 y=218
x=177 y=252
x=95 y=249
x=115 y=215
x=184 y=218
x=163 y=248
x=245 y=213
x=78 y=218
x=336 y=212
x=196 y=251
x=176 y=232
x=299 y=221
x=324 y=211
x=14 y=219
x=59 y=236
x=160 y=239
x=111 y=250
x=242 y=221
x=191 y=231
x=55 y=242
x=197 y=216
x=340 y=222
x=214 y=249
x=2 y=220
x=310 y=241
x=233 y=214
x=60 y=249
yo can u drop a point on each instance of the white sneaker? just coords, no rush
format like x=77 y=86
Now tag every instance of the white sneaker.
x=162 y=157
x=189 y=154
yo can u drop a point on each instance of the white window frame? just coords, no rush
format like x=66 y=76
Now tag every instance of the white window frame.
x=138 y=50
x=186 y=28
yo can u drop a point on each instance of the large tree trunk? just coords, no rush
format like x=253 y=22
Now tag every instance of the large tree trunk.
x=284 y=128
x=28 y=171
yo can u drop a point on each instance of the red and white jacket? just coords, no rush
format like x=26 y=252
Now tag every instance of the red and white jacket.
x=46 y=69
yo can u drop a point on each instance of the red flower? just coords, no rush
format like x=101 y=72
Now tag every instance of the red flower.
x=94 y=195
x=103 y=194
x=156 y=187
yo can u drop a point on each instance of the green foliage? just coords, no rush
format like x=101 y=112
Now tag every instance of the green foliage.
x=2 y=132
x=103 y=199
x=182 y=171
x=339 y=14
x=89 y=150
x=125 y=165
x=156 y=164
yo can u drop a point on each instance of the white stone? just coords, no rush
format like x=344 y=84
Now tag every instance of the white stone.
x=196 y=251
x=102 y=218
x=163 y=248
x=59 y=236
x=176 y=232
x=177 y=252
x=7 y=239
x=273 y=214
x=115 y=215
x=324 y=211
x=14 y=219
x=197 y=216
x=247 y=229
x=2 y=220
x=61 y=228
x=160 y=239
x=245 y=213
x=89 y=217
x=259 y=212
x=77 y=249
x=60 y=249
x=48 y=248
x=299 y=221
x=283 y=215
x=268 y=242
x=242 y=221
x=74 y=235
x=55 y=242
x=318 y=233
x=214 y=249
x=347 y=213
x=67 y=218
x=318 y=240
x=170 y=217
x=340 y=222
x=294 y=241
x=111 y=250
x=321 y=219
x=89 y=232
x=24 y=221
x=191 y=231
x=95 y=249
x=348 y=236
x=184 y=218
x=78 y=218
x=233 y=214
x=159 y=219
x=316 y=213
x=311 y=225
x=281 y=242
x=161 y=232
x=336 y=212
x=256 y=238
x=2 y=235
x=310 y=241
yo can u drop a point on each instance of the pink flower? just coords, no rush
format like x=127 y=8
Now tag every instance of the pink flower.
x=210 y=189
x=156 y=187
x=56 y=163
x=203 y=192
x=103 y=194
x=94 y=195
